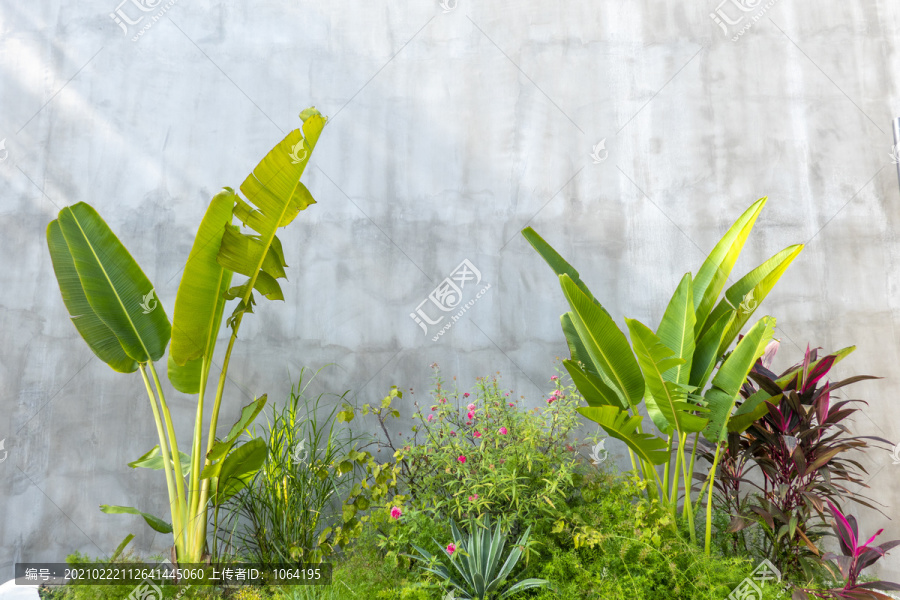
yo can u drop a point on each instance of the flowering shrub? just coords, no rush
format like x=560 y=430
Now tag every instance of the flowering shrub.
x=477 y=452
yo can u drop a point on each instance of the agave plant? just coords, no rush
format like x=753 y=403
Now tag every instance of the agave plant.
x=112 y=305
x=477 y=571
x=669 y=369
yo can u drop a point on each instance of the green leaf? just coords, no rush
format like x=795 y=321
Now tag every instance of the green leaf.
x=620 y=425
x=237 y=469
x=274 y=196
x=593 y=389
x=604 y=342
x=705 y=353
x=717 y=267
x=200 y=302
x=556 y=261
x=99 y=337
x=726 y=385
x=121 y=547
x=248 y=414
x=744 y=297
x=155 y=522
x=676 y=330
x=750 y=411
x=670 y=398
x=115 y=287
x=154 y=460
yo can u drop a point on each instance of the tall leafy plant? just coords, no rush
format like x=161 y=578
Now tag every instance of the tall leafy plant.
x=799 y=440
x=112 y=305
x=667 y=371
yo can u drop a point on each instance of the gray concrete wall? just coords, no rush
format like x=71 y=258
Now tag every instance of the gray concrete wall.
x=451 y=129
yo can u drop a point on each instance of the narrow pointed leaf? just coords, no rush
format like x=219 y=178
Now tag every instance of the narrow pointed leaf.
x=726 y=385
x=155 y=522
x=559 y=265
x=604 y=342
x=248 y=414
x=154 y=460
x=593 y=389
x=620 y=425
x=714 y=272
x=745 y=296
x=676 y=330
x=670 y=398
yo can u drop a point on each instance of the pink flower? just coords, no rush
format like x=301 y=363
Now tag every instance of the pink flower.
x=442 y=400
x=466 y=395
x=470 y=415
x=452 y=432
x=462 y=459
x=471 y=407
x=473 y=498
x=511 y=405
x=554 y=377
x=556 y=393
x=396 y=512
x=434 y=408
x=430 y=418
x=507 y=394
x=503 y=431
x=477 y=434
x=451 y=548
x=551 y=399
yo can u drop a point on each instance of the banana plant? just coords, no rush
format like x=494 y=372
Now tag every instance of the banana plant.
x=112 y=305
x=667 y=372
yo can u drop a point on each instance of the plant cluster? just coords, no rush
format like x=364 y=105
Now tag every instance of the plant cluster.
x=796 y=456
x=668 y=370
x=483 y=452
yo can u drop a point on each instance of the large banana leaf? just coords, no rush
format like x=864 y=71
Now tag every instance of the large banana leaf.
x=274 y=196
x=99 y=337
x=676 y=330
x=744 y=297
x=593 y=389
x=622 y=426
x=666 y=397
x=200 y=302
x=118 y=292
x=705 y=353
x=714 y=272
x=726 y=385
x=604 y=342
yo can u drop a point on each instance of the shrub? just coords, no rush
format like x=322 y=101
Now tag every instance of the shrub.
x=484 y=453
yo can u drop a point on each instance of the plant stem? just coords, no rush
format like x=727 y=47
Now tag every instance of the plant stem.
x=173 y=442
x=688 y=483
x=194 y=479
x=167 y=465
x=710 y=477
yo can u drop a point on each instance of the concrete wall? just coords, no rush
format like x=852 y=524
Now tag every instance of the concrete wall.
x=451 y=129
